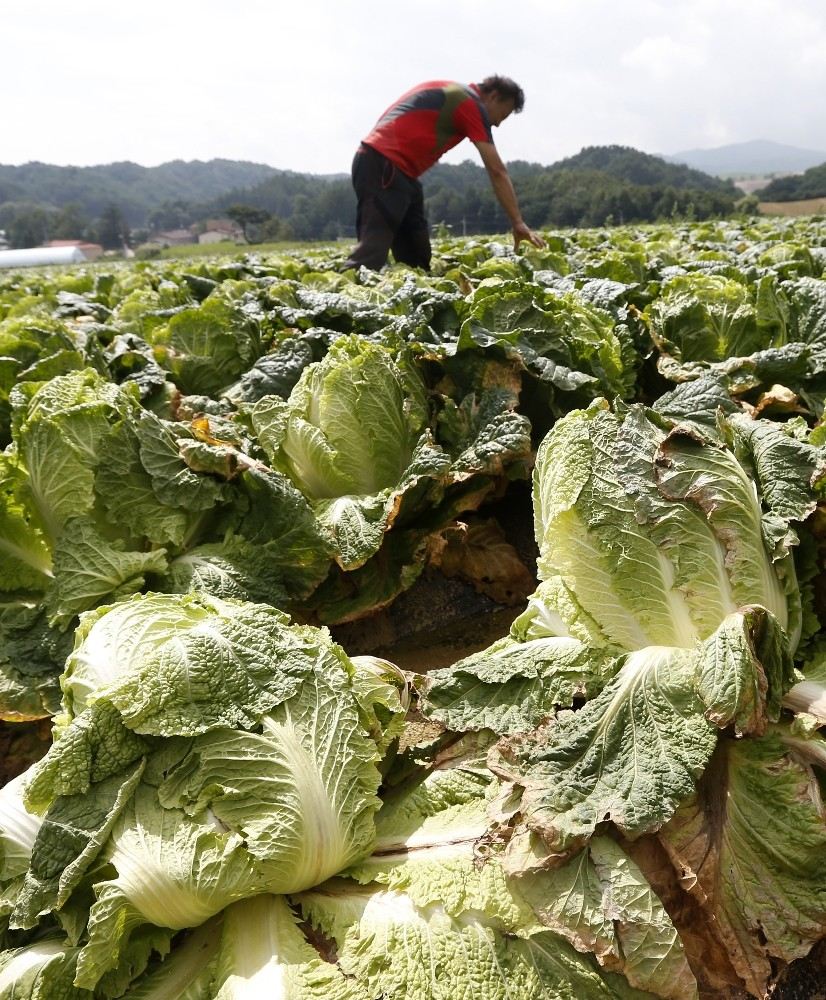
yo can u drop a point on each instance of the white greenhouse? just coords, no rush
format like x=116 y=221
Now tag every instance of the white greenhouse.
x=37 y=256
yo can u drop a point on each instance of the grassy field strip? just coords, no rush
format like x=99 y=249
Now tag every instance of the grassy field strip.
x=811 y=206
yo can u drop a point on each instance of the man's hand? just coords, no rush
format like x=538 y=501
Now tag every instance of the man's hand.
x=503 y=189
x=522 y=232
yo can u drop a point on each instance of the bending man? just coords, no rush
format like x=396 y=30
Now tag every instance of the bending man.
x=411 y=135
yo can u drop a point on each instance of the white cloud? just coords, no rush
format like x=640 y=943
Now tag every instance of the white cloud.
x=297 y=85
x=663 y=58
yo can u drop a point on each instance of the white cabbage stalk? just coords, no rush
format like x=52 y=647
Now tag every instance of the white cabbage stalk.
x=174 y=871
x=243 y=813
x=807 y=697
x=13 y=975
x=18 y=829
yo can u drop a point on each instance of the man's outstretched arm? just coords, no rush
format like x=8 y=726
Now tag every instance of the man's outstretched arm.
x=503 y=189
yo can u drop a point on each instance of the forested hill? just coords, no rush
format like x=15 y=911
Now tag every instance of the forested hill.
x=600 y=185
x=811 y=184
x=136 y=190
x=604 y=184
x=629 y=164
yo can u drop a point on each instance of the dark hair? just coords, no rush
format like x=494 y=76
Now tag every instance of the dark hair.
x=504 y=87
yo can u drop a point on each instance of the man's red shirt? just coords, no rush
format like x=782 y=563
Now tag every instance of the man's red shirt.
x=427 y=121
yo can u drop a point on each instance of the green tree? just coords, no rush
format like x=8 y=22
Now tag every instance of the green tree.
x=70 y=223
x=248 y=218
x=274 y=229
x=171 y=214
x=112 y=229
x=27 y=224
x=748 y=205
x=302 y=218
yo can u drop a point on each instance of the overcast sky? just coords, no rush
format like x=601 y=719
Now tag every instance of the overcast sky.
x=296 y=83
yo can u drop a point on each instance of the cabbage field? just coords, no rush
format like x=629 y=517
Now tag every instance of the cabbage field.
x=210 y=470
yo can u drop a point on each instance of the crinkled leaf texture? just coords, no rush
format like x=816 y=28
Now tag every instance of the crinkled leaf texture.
x=32 y=656
x=176 y=665
x=69 y=839
x=391 y=947
x=274 y=551
x=166 y=666
x=433 y=865
x=172 y=482
x=427 y=915
x=240 y=813
x=302 y=792
x=511 y=686
x=212 y=814
x=95 y=746
x=633 y=753
x=172 y=872
x=88 y=569
x=206 y=347
x=353 y=438
x=601 y=902
x=646 y=538
x=750 y=846
x=709 y=317
x=484 y=432
x=59 y=427
x=357 y=524
x=562 y=338
x=127 y=490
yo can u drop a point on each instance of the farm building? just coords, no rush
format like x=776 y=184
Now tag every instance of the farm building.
x=174 y=237
x=218 y=230
x=91 y=251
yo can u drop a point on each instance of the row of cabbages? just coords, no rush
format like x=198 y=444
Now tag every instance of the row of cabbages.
x=275 y=430
x=291 y=503
x=619 y=799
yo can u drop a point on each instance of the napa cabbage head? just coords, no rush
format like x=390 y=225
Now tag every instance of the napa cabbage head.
x=650 y=536
x=40 y=970
x=239 y=813
x=435 y=891
x=174 y=664
x=709 y=317
x=354 y=438
x=238 y=754
x=58 y=429
x=351 y=424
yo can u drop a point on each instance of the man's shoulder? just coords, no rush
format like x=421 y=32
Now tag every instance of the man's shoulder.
x=428 y=84
x=445 y=85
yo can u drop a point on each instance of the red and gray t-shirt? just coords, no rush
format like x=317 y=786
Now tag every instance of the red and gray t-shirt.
x=427 y=121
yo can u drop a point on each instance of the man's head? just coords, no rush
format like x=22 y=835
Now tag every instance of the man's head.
x=501 y=96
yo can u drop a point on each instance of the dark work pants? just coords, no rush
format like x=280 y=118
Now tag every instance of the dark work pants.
x=390 y=214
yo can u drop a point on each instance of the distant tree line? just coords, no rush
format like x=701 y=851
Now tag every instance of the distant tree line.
x=570 y=196
x=599 y=186
x=30 y=224
x=136 y=190
x=798 y=187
